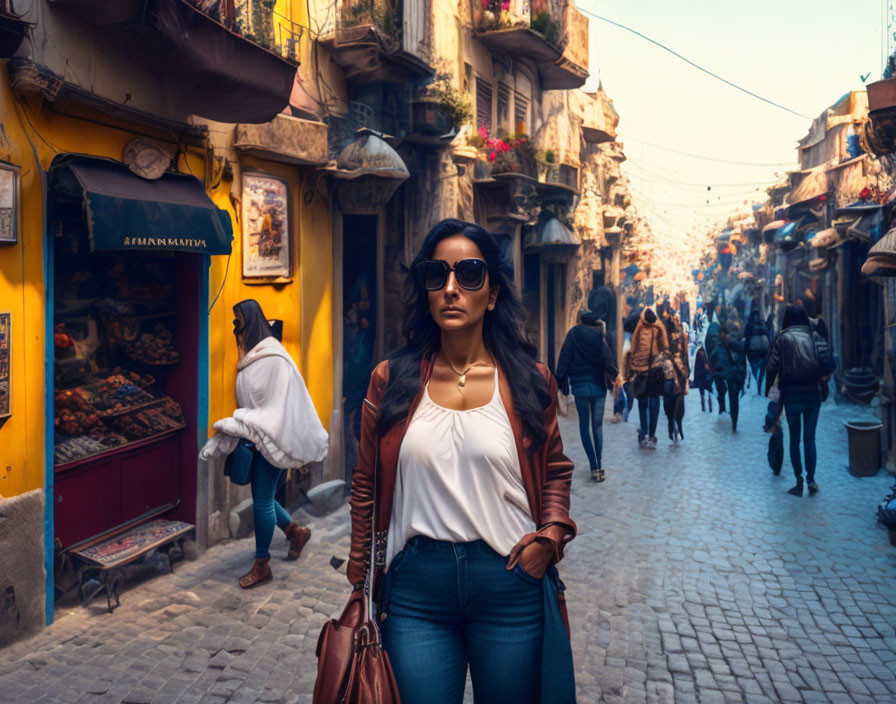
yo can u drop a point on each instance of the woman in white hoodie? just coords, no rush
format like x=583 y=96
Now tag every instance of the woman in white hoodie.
x=275 y=413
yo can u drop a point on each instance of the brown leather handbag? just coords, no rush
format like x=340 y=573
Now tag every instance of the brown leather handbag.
x=352 y=667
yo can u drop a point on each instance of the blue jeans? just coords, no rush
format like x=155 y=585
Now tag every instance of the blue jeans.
x=265 y=509
x=757 y=369
x=649 y=412
x=629 y=400
x=802 y=409
x=591 y=422
x=449 y=604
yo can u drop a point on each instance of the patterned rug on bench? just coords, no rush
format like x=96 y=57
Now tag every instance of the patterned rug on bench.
x=133 y=543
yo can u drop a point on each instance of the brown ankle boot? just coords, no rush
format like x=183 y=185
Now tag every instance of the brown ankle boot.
x=298 y=536
x=259 y=574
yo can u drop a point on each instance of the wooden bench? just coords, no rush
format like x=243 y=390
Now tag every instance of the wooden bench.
x=105 y=558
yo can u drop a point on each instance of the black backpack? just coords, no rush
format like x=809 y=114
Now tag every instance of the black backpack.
x=823 y=355
x=758 y=344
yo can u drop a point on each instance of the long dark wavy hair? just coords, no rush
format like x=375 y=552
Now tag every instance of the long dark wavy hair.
x=502 y=333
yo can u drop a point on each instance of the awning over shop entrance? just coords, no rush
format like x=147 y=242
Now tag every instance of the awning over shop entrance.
x=123 y=211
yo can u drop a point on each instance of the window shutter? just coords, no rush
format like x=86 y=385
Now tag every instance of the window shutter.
x=504 y=107
x=484 y=104
x=521 y=113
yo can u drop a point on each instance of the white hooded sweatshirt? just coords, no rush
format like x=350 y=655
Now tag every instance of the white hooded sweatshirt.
x=275 y=411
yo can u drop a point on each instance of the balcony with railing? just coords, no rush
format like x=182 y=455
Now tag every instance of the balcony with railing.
x=256 y=21
x=599 y=117
x=225 y=60
x=12 y=27
x=380 y=40
x=553 y=33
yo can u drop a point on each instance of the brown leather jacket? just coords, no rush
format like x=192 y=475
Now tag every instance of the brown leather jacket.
x=547 y=474
x=648 y=340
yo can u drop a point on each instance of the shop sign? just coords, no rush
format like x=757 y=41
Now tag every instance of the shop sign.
x=265 y=221
x=9 y=202
x=5 y=384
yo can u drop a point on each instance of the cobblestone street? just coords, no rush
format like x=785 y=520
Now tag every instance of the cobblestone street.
x=695 y=578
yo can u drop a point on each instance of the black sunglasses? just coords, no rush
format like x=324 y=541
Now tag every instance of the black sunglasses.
x=469 y=274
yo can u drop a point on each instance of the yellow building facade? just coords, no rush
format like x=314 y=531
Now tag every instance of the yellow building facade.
x=35 y=129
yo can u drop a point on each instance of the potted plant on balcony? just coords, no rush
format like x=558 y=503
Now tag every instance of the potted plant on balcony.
x=442 y=108
x=513 y=154
x=489 y=15
x=379 y=14
x=543 y=23
x=548 y=168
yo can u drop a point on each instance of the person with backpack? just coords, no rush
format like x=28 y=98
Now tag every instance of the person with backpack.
x=758 y=342
x=799 y=361
x=729 y=364
x=587 y=366
x=711 y=344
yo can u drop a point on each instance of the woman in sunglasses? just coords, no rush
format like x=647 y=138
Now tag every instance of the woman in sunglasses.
x=472 y=509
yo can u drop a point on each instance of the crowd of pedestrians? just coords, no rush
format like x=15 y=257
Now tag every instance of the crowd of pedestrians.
x=791 y=366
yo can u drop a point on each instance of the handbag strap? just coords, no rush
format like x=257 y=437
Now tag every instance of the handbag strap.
x=370 y=577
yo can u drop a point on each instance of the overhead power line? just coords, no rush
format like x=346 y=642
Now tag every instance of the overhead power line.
x=649 y=169
x=693 y=64
x=710 y=158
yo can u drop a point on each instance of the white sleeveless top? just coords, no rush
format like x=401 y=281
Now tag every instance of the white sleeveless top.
x=459 y=478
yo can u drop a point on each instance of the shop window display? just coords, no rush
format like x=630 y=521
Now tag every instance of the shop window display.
x=115 y=315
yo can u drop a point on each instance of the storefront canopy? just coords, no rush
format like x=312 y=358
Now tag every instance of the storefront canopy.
x=813 y=184
x=126 y=212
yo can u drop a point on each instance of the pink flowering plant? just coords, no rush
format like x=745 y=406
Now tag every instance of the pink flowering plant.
x=492 y=14
x=512 y=153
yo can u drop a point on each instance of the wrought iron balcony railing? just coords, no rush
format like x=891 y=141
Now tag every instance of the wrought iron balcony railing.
x=553 y=33
x=380 y=39
x=256 y=21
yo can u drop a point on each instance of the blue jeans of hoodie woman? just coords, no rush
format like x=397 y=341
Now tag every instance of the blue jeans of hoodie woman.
x=583 y=366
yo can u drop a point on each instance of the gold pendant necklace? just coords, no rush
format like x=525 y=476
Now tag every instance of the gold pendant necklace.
x=462 y=376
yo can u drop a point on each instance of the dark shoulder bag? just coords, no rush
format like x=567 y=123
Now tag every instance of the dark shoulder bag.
x=352 y=667
x=826 y=364
x=823 y=355
x=241 y=463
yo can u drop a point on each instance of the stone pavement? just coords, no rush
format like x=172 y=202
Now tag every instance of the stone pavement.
x=695 y=578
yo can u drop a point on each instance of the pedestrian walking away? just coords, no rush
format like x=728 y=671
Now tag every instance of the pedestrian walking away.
x=703 y=378
x=729 y=364
x=644 y=372
x=276 y=424
x=629 y=325
x=472 y=511
x=586 y=367
x=711 y=343
x=758 y=341
x=795 y=365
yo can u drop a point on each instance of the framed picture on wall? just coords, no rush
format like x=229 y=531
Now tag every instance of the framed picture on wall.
x=5 y=383
x=9 y=203
x=265 y=225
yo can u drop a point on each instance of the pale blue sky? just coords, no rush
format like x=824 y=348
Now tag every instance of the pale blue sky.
x=804 y=54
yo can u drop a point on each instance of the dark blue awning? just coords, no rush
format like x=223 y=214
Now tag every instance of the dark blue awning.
x=126 y=212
